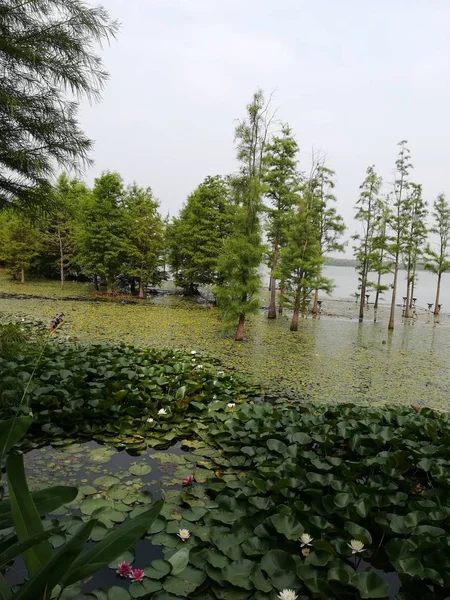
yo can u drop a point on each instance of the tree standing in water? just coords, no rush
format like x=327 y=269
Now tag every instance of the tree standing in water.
x=380 y=267
x=438 y=261
x=399 y=219
x=366 y=213
x=242 y=252
x=282 y=184
x=330 y=226
x=414 y=241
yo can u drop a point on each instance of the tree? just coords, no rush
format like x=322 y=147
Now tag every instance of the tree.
x=329 y=224
x=438 y=261
x=399 y=219
x=47 y=50
x=281 y=184
x=380 y=266
x=415 y=238
x=196 y=236
x=20 y=241
x=243 y=250
x=144 y=237
x=59 y=225
x=301 y=259
x=101 y=238
x=366 y=213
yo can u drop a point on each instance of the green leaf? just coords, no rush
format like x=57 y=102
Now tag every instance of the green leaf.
x=12 y=431
x=5 y=590
x=49 y=576
x=143 y=588
x=125 y=557
x=115 y=543
x=45 y=501
x=19 y=547
x=370 y=585
x=181 y=392
x=179 y=560
x=277 y=560
x=276 y=446
x=158 y=569
x=179 y=587
x=287 y=526
x=342 y=500
x=140 y=469
x=118 y=593
x=238 y=573
x=259 y=580
x=26 y=517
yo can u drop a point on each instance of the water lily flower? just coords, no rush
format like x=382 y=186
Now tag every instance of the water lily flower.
x=188 y=480
x=124 y=569
x=149 y=420
x=306 y=539
x=193 y=352
x=231 y=405
x=162 y=411
x=184 y=534
x=287 y=595
x=306 y=551
x=137 y=575
x=220 y=372
x=356 y=546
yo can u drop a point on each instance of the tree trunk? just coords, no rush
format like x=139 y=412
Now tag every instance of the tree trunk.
x=240 y=329
x=141 y=289
x=394 y=294
x=438 y=291
x=96 y=283
x=280 y=302
x=109 y=284
x=132 y=286
x=294 y=322
x=272 y=313
x=362 y=300
x=315 y=308
x=408 y=294
x=61 y=257
x=22 y=275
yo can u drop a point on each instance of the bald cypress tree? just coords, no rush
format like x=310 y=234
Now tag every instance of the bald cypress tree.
x=48 y=63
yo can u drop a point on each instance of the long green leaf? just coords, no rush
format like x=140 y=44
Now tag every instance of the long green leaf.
x=5 y=590
x=112 y=546
x=45 y=501
x=11 y=431
x=19 y=547
x=48 y=577
x=26 y=517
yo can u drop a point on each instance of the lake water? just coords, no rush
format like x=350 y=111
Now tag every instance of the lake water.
x=346 y=282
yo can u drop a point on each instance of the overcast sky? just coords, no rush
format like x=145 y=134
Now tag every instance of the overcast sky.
x=353 y=78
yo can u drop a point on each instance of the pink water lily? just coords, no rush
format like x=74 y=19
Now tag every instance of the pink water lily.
x=137 y=575
x=124 y=569
x=188 y=480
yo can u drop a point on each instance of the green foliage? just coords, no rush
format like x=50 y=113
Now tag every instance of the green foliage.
x=367 y=243
x=282 y=183
x=242 y=252
x=83 y=389
x=47 y=49
x=144 y=237
x=197 y=235
x=438 y=261
x=20 y=241
x=101 y=238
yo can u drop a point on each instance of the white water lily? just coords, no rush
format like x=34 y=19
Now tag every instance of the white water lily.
x=184 y=534
x=149 y=420
x=356 y=546
x=231 y=405
x=220 y=372
x=287 y=595
x=162 y=411
x=193 y=352
x=306 y=539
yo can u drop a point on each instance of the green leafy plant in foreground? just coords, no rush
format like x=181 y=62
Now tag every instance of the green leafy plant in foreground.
x=22 y=512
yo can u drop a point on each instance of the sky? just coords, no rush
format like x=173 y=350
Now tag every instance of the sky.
x=351 y=77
